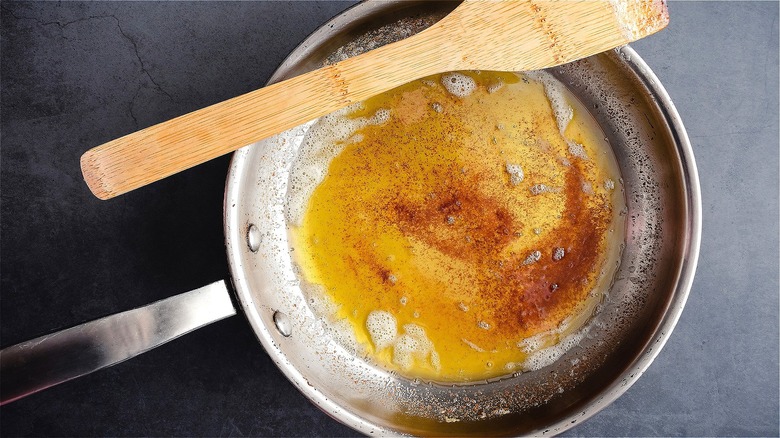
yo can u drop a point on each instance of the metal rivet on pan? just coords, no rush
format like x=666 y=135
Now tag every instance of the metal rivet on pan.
x=282 y=323
x=253 y=237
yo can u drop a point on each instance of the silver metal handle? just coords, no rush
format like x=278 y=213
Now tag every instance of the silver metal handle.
x=43 y=362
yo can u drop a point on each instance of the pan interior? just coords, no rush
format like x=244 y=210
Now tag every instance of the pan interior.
x=452 y=229
x=631 y=324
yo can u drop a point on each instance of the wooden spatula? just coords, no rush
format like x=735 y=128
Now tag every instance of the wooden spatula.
x=504 y=35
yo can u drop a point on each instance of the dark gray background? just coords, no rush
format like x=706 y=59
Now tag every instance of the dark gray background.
x=75 y=75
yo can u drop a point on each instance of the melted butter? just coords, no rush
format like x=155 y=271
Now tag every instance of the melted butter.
x=468 y=231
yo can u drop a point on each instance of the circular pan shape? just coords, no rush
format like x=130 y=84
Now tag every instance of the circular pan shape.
x=663 y=221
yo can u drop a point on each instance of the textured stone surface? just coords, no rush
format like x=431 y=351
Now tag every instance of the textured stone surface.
x=76 y=74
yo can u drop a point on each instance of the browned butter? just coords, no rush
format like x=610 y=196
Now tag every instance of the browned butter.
x=460 y=227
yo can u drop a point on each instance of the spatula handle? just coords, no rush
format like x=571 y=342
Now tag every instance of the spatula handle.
x=161 y=150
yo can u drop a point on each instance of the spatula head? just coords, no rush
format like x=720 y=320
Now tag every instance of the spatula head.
x=515 y=35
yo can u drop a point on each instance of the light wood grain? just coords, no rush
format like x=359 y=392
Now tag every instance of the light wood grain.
x=509 y=35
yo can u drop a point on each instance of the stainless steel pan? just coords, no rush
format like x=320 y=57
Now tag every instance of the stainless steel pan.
x=663 y=220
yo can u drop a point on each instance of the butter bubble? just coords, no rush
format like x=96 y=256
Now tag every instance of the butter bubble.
x=458 y=84
x=382 y=327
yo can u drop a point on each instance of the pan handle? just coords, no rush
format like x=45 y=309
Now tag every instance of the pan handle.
x=35 y=365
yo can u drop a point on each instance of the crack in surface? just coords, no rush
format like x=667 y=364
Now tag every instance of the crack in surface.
x=132 y=104
x=63 y=25
x=140 y=60
x=55 y=23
